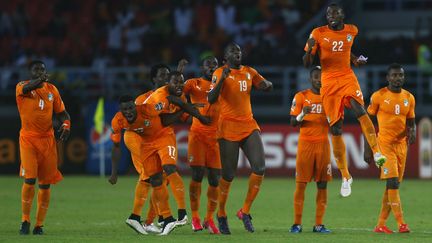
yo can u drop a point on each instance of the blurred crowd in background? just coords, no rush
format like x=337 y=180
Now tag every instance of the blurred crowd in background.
x=133 y=32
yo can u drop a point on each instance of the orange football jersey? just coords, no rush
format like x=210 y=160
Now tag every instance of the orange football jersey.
x=314 y=126
x=146 y=124
x=392 y=110
x=198 y=89
x=234 y=98
x=141 y=98
x=334 y=50
x=36 y=109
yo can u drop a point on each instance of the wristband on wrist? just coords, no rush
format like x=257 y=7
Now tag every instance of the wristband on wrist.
x=66 y=124
x=300 y=117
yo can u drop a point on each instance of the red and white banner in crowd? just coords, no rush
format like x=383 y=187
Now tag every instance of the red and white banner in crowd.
x=280 y=146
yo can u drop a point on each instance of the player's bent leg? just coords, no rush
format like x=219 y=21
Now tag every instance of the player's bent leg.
x=44 y=195
x=339 y=153
x=178 y=190
x=368 y=130
x=229 y=153
x=195 y=196
x=253 y=148
x=27 y=195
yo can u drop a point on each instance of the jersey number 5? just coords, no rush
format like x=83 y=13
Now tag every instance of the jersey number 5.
x=243 y=85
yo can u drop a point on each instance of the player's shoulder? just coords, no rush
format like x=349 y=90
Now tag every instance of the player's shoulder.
x=351 y=28
x=320 y=29
x=301 y=94
x=249 y=69
x=408 y=94
x=22 y=83
x=118 y=118
x=192 y=81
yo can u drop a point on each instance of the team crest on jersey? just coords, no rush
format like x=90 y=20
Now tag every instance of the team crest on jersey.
x=214 y=78
x=159 y=106
x=191 y=158
x=146 y=123
x=349 y=38
x=386 y=171
x=405 y=102
x=328 y=119
x=50 y=96
x=248 y=75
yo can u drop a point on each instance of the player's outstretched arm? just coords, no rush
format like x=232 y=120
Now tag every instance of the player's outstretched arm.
x=411 y=130
x=213 y=95
x=168 y=119
x=189 y=108
x=265 y=85
x=181 y=65
x=115 y=158
x=64 y=130
x=308 y=57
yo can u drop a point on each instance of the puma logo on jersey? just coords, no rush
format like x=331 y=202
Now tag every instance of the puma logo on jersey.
x=326 y=39
x=308 y=101
x=198 y=87
x=387 y=101
x=231 y=77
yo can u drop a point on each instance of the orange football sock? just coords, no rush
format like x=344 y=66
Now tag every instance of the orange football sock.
x=321 y=204
x=339 y=153
x=254 y=187
x=195 y=195
x=141 y=191
x=27 y=195
x=161 y=200
x=177 y=188
x=395 y=204
x=385 y=210
x=368 y=130
x=299 y=201
x=212 y=197
x=42 y=205
x=224 y=188
x=152 y=210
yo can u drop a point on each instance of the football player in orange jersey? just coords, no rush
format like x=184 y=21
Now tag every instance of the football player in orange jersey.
x=237 y=129
x=394 y=108
x=170 y=101
x=37 y=99
x=313 y=152
x=340 y=87
x=203 y=149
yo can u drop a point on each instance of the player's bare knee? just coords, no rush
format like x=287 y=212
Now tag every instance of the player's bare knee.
x=258 y=169
x=156 y=179
x=197 y=173
x=322 y=184
x=44 y=186
x=392 y=183
x=169 y=169
x=30 y=181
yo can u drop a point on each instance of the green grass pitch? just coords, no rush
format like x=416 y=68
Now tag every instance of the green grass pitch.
x=89 y=209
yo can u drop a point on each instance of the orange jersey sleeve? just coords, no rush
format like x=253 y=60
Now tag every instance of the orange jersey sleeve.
x=37 y=107
x=392 y=111
x=116 y=127
x=314 y=126
x=234 y=98
x=334 y=49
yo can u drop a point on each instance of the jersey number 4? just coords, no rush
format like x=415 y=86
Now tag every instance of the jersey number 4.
x=41 y=104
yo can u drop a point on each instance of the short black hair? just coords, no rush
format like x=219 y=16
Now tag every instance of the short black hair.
x=394 y=66
x=229 y=46
x=334 y=4
x=32 y=63
x=125 y=99
x=174 y=73
x=207 y=58
x=155 y=68
x=315 y=68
